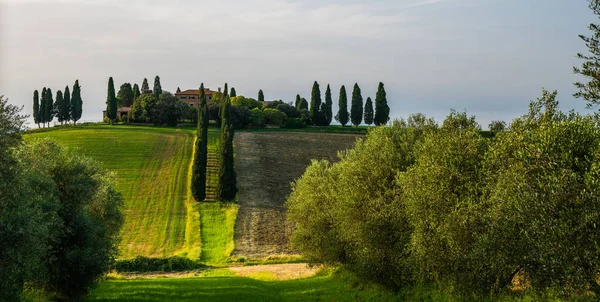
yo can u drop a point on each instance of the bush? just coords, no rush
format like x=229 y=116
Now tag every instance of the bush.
x=240 y=101
x=273 y=104
x=257 y=118
x=274 y=117
x=143 y=264
x=295 y=123
x=240 y=116
x=289 y=110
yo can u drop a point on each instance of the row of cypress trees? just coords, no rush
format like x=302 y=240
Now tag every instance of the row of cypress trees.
x=321 y=113
x=227 y=183
x=129 y=95
x=67 y=106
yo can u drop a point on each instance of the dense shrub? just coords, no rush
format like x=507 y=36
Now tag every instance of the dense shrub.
x=146 y=264
x=257 y=117
x=289 y=110
x=240 y=116
x=273 y=104
x=274 y=117
x=240 y=101
x=295 y=123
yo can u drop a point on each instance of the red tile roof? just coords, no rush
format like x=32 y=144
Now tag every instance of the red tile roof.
x=195 y=92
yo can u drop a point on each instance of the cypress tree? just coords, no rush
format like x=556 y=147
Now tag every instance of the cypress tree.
x=356 y=109
x=298 y=102
x=36 y=108
x=223 y=104
x=369 y=112
x=200 y=157
x=67 y=107
x=42 y=113
x=328 y=106
x=76 y=103
x=136 y=91
x=49 y=114
x=233 y=92
x=178 y=90
x=145 y=87
x=111 y=102
x=261 y=96
x=382 y=110
x=157 y=91
x=343 y=107
x=315 y=103
x=59 y=106
x=304 y=104
x=226 y=186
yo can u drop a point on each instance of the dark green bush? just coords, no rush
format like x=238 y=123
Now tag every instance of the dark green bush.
x=295 y=123
x=147 y=264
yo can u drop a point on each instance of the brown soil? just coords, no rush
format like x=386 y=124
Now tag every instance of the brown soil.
x=266 y=164
x=278 y=271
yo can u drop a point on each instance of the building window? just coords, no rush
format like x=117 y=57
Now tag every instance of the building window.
x=183 y=97
x=210 y=97
x=191 y=104
x=192 y=97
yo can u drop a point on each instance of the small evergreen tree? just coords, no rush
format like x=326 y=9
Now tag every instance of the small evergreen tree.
x=178 y=90
x=298 y=102
x=111 y=102
x=36 y=108
x=201 y=154
x=136 y=92
x=157 y=90
x=328 y=106
x=49 y=114
x=304 y=104
x=382 y=110
x=356 y=110
x=315 y=104
x=59 y=105
x=233 y=92
x=76 y=103
x=42 y=113
x=261 y=95
x=145 y=87
x=343 y=107
x=67 y=107
x=369 y=112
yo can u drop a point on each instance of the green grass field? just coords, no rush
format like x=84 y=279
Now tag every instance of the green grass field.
x=152 y=170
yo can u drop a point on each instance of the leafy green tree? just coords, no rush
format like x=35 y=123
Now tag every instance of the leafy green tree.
x=146 y=87
x=49 y=114
x=111 y=102
x=261 y=96
x=66 y=113
x=76 y=103
x=289 y=110
x=315 y=104
x=43 y=102
x=136 y=92
x=497 y=126
x=233 y=93
x=36 y=108
x=168 y=110
x=382 y=110
x=342 y=116
x=356 y=109
x=591 y=67
x=328 y=106
x=304 y=104
x=241 y=101
x=126 y=95
x=257 y=117
x=274 y=117
x=201 y=153
x=157 y=90
x=368 y=112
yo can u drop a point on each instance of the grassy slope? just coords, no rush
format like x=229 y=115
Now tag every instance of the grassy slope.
x=151 y=169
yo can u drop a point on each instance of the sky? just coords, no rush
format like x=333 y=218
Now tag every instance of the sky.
x=488 y=57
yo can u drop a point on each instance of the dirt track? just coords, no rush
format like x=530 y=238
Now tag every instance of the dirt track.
x=266 y=164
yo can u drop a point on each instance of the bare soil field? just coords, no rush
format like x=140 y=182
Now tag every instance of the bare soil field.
x=266 y=164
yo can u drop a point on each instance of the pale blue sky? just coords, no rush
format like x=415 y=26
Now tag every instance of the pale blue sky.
x=489 y=57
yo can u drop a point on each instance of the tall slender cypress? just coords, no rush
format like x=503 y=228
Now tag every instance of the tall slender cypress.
x=343 y=107
x=382 y=110
x=76 y=103
x=233 y=93
x=59 y=106
x=298 y=102
x=226 y=186
x=36 y=108
x=157 y=91
x=328 y=106
x=49 y=114
x=201 y=153
x=223 y=104
x=315 y=104
x=111 y=102
x=136 y=92
x=369 y=112
x=67 y=104
x=304 y=104
x=356 y=109
x=42 y=114
x=261 y=96
x=145 y=87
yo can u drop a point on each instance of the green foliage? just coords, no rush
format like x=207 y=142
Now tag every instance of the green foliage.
x=136 y=92
x=261 y=96
x=315 y=103
x=289 y=110
x=168 y=110
x=178 y=90
x=62 y=108
x=273 y=104
x=126 y=95
x=111 y=101
x=157 y=90
x=233 y=93
x=295 y=123
x=76 y=103
x=49 y=112
x=303 y=104
x=368 y=112
x=145 y=87
x=342 y=115
x=328 y=112
x=226 y=188
x=240 y=101
x=356 y=109
x=66 y=108
x=382 y=110
x=591 y=67
x=36 y=108
x=257 y=117
x=42 y=113
x=274 y=117
x=198 y=185
x=497 y=126
x=141 y=264
x=298 y=102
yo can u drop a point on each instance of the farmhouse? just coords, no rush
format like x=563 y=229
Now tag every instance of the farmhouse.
x=192 y=96
x=121 y=112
